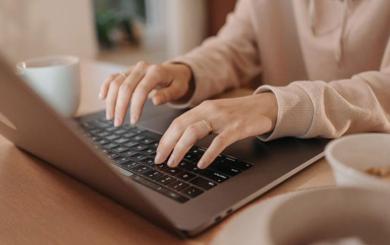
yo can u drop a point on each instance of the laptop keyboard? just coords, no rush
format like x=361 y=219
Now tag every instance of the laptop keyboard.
x=133 y=149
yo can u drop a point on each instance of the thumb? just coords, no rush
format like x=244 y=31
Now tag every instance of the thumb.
x=171 y=93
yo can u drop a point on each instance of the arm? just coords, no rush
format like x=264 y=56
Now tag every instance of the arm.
x=233 y=51
x=315 y=108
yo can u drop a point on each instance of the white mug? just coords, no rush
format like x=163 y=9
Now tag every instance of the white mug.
x=56 y=79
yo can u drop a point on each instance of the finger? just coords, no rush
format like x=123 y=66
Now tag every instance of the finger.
x=216 y=147
x=170 y=93
x=105 y=86
x=126 y=90
x=112 y=96
x=192 y=134
x=122 y=103
x=155 y=76
x=174 y=132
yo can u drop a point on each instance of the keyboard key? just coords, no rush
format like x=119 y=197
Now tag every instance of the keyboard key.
x=129 y=134
x=95 y=132
x=138 y=138
x=192 y=157
x=166 y=180
x=122 y=160
x=131 y=144
x=103 y=134
x=203 y=183
x=113 y=156
x=120 y=149
x=130 y=165
x=243 y=165
x=151 y=135
x=178 y=185
x=111 y=137
x=237 y=164
x=147 y=141
x=110 y=129
x=121 y=140
x=192 y=191
x=141 y=169
x=153 y=174
x=110 y=146
x=172 y=171
x=140 y=147
x=120 y=131
x=103 y=142
x=150 y=151
x=225 y=168
x=149 y=161
x=187 y=166
x=129 y=153
x=139 y=157
x=217 y=177
x=186 y=176
x=210 y=174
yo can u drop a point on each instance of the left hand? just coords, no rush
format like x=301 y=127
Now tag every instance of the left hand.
x=231 y=119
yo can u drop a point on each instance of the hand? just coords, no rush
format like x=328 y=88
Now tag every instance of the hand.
x=168 y=82
x=231 y=119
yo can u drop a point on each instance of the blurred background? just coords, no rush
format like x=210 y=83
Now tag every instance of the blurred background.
x=118 y=31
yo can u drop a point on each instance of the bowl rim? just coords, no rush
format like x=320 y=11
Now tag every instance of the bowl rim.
x=345 y=168
x=284 y=203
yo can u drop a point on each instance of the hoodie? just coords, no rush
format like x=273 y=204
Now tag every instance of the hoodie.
x=326 y=61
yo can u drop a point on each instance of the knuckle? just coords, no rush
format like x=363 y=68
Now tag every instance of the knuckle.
x=177 y=124
x=111 y=77
x=155 y=69
x=142 y=64
x=141 y=89
x=116 y=83
x=210 y=105
x=192 y=131
x=124 y=87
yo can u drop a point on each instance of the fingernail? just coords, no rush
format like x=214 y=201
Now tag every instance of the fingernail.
x=156 y=101
x=100 y=96
x=117 y=122
x=133 y=119
x=171 y=162
x=201 y=165
x=158 y=159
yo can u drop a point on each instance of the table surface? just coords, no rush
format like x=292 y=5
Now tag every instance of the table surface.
x=40 y=205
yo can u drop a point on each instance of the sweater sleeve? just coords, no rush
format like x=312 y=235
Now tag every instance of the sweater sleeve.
x=309 y=109
x=225 y=61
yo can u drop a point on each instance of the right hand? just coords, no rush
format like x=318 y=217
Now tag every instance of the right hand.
x=163 y=83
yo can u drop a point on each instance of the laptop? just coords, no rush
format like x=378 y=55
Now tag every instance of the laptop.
x=118 y=162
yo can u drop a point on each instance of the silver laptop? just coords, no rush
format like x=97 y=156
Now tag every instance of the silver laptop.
x=118 y=162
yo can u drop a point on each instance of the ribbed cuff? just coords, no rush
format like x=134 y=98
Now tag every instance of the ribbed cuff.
x=295 y=111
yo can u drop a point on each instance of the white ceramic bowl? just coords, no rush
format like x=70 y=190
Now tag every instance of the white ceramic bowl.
x=351 y=155
x=330 y=214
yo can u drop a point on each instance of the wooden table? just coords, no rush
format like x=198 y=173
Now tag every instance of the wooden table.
x=40 y=205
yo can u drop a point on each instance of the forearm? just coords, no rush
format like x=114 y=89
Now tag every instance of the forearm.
x=226 y=61
x=309 y=109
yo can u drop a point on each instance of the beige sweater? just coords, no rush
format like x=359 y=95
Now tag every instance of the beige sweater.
x=327 y=62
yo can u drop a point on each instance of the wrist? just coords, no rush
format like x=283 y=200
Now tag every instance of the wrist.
x=185 y=76
x=268 y=106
